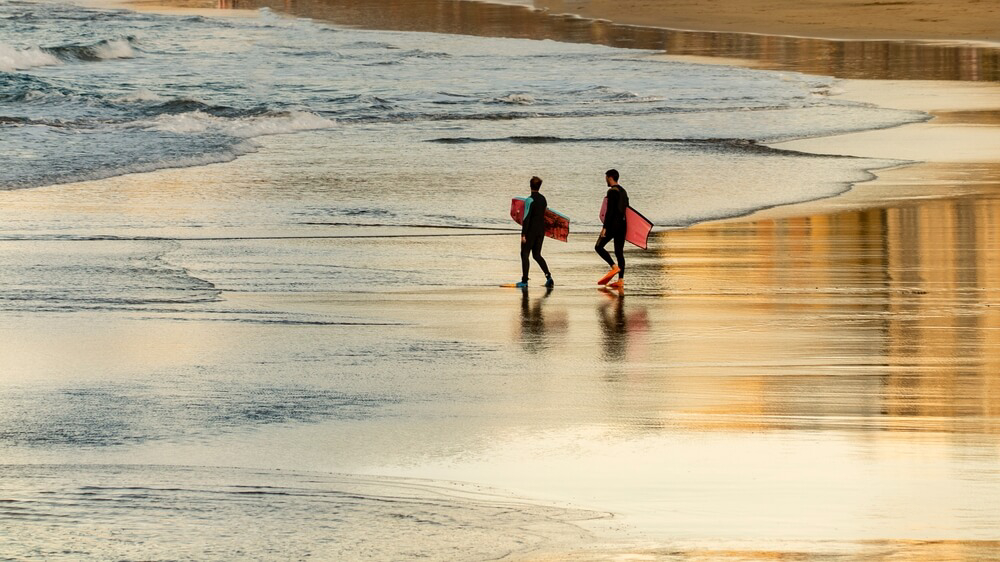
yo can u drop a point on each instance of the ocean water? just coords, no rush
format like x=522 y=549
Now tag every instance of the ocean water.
x=248 y=271
x=88 y=94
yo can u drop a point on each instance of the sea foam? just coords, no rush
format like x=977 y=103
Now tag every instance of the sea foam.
x=114 y=49
x=240 y=127
x=12 y=59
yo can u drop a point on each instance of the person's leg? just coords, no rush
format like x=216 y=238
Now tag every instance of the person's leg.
x=599 y=248
x=525 y=250
x=536 y=252
x=620 y=252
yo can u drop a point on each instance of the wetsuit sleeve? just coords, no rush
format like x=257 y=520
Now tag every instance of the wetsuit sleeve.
x=524 y=219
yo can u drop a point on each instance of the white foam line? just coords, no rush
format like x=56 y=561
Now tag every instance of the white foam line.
x=246 y=127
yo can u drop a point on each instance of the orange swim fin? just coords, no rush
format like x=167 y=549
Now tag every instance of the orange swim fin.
x=607 y=277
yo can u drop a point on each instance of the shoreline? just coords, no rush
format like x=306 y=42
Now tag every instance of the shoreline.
x=868 y=57
x=960 y=135
x=962 y=131
x=962 y=20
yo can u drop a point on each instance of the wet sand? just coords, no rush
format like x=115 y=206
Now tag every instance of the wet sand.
x=969 y=20
x=815 y=381
x=962 y=131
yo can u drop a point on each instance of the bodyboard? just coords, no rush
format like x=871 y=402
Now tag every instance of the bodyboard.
x=556 y=223
x=637 y=227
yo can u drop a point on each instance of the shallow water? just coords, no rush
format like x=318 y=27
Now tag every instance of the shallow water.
x=143 y=512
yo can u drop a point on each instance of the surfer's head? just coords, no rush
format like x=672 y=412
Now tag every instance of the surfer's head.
x=611 y=176
x=536 y=183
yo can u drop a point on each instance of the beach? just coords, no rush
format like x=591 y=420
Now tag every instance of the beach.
x=295 y=345
x=921 y=20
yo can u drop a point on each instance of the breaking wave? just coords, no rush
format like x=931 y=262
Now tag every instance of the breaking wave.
x=12 y=59
x=120 y=48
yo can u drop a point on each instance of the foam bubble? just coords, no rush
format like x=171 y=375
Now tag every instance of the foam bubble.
x=12 y=59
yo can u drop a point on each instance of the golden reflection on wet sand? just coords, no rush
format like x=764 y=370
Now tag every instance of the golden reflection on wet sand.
x=887 y=318
x=843 y=59
x=794 y=388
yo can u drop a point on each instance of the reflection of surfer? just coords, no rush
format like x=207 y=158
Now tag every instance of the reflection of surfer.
x=613 y=327
x=617 y=327
x=533 y=233
x=614 y=229
x=533 y=321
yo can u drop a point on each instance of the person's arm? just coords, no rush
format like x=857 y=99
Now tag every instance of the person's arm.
x=610 y=218
x=524 y=220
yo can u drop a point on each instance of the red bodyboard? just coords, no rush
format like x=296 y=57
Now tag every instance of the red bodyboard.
x=637 y=227
x=556 y=224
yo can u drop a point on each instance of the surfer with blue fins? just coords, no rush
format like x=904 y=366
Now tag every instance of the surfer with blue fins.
x=533 y=233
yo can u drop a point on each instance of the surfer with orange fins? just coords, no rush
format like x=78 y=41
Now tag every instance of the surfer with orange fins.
x=614 y=229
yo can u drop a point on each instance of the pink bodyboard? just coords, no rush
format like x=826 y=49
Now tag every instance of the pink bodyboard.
x=556 y=224
x=637 y=227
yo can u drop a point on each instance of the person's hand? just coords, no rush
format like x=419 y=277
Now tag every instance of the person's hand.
x=524 y=239
x=603 y=232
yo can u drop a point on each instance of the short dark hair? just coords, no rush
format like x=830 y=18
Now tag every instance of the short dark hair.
x=536 y=182
x=612 y=173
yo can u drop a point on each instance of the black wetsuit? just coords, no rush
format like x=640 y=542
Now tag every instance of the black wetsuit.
x=533 y=231
x=614 y=228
